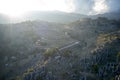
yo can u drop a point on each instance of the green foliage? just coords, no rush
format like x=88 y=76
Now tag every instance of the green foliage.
x=39 y=78
x=18 y=78
x=50 y=52
x=112 y=78
x=28 y=71
x=67 y=53
x=64 y=74
x=104 y=38
x=95 y=68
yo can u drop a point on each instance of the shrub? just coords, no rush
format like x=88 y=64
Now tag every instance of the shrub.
x=95 y=68
x=30 y=70
x=67 y=53
x=104 y=38
x=50 y=52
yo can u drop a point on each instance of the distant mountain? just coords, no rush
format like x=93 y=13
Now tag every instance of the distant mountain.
x=52 y=16
x=55 y=16
x=111 y=15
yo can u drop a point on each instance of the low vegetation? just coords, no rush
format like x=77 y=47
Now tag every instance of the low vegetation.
x=28 y=50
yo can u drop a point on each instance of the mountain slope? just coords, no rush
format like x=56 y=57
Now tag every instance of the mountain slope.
x=55 y=16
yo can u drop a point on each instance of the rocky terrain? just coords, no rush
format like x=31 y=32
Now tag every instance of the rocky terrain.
x=87 y=49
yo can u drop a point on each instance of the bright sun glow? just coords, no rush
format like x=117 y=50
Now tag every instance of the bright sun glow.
x=100 y=6
x=16 y=8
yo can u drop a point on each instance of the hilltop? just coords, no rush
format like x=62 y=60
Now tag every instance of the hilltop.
x=55 y=16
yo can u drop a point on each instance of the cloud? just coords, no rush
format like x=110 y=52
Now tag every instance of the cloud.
x=100 y=6
x=70 y=5
x=114 y=5
x=94 y=6
x=12 y=7
x=81 y=6
x=90 y=6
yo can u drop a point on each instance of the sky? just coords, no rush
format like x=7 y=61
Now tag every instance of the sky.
x=89 y=7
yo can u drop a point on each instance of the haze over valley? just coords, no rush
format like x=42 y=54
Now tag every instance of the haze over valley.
x=78 y=41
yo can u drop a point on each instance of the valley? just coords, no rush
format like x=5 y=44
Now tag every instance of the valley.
x=86 y=49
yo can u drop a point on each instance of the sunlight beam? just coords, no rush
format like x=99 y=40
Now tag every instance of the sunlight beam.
x=16 y=8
